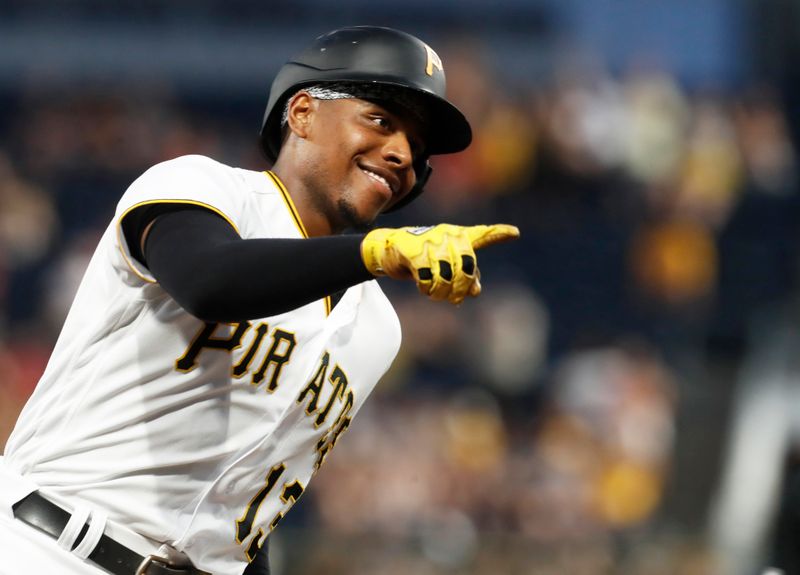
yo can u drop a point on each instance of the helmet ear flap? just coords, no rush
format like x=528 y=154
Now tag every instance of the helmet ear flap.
x=423 y=170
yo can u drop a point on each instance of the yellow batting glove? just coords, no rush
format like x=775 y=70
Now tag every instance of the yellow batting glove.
x=440 y=259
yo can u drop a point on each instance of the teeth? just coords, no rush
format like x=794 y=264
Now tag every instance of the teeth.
x=377 y=178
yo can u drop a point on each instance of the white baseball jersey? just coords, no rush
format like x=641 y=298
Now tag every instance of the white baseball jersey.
x=200 y=435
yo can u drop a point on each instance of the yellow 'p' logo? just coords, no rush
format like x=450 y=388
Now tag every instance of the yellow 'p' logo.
x=433 y=61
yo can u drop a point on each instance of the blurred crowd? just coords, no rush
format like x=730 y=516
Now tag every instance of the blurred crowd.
x=539 y=427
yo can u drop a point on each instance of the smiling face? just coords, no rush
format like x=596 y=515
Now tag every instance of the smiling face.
x=355 y=157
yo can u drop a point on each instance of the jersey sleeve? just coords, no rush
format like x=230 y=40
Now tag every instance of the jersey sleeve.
x=192 y=180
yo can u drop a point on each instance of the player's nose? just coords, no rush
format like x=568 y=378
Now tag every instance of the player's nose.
x=397 y=149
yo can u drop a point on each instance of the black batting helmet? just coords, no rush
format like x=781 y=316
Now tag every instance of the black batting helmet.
x=372 y=55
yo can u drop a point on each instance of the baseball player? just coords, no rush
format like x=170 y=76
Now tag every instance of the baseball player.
x=226 y=332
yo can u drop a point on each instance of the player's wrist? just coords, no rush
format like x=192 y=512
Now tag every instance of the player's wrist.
x=373 y=249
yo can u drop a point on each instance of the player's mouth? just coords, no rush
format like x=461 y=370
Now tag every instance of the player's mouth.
x=384 y=183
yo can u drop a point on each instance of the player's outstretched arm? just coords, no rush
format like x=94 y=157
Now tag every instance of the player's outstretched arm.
x=440 y=259
x=200 y=260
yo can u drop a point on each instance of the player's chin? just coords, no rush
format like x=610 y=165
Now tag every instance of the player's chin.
x=360 y=220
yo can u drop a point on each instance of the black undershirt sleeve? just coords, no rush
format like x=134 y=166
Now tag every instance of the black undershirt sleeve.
x=215 y=275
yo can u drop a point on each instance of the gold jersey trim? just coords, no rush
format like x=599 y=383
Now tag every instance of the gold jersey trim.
x=150 y=202
x=327 y=305
x=287 y=199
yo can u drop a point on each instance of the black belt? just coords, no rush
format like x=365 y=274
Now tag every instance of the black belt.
x=114 y=557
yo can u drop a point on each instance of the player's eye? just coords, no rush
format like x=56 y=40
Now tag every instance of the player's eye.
x=381 y=121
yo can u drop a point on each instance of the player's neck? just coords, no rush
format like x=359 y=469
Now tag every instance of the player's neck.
x=314 y=222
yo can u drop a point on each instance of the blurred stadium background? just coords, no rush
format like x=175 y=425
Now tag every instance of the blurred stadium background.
x=623 y=399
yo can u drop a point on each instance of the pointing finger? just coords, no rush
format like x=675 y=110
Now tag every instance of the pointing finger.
x=482 y=236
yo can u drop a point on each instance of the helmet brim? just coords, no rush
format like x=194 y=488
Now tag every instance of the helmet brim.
x=445 y=130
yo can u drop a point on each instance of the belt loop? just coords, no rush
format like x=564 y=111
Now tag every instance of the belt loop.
x=96 y=527
x=72 y=529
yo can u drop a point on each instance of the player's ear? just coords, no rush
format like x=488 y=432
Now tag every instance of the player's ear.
x=300 y=113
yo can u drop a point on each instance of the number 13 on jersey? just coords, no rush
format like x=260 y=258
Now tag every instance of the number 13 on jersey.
x=290 y=493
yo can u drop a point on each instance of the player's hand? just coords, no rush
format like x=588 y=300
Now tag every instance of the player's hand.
x=440 y=259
